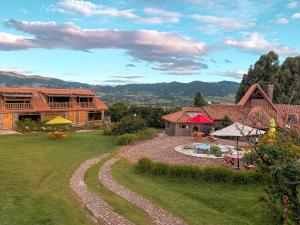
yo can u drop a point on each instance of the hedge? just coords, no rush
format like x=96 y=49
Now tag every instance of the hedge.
x=214 y=174
x=128 y=139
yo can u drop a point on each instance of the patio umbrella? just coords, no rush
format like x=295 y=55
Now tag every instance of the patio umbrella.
x=272 y=128
x=59 y=121
x=238 y=130
x=200 y=119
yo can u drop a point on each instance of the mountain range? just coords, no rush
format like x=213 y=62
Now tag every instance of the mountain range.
x=168 y=94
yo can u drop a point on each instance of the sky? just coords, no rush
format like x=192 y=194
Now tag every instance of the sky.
x=134 y=41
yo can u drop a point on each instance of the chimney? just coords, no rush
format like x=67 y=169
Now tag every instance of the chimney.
x=270 y=91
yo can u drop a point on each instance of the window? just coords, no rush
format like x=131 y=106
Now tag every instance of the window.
x=292 y=119
x=184 y=126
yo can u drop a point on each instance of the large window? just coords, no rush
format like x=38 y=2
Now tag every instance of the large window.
x=94 y=116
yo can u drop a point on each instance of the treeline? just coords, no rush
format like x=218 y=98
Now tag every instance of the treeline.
x=151 y=114
x=285 y=77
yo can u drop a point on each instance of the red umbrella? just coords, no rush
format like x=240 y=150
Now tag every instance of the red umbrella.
x=200 y=119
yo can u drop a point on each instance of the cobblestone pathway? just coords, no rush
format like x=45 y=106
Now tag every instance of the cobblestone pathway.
x=98 y=208
x=157 y=214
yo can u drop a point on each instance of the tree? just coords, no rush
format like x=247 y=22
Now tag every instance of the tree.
x=199 y=100
x=263 y=72
x=285 y=77
x=117 y=111
x=277 y=159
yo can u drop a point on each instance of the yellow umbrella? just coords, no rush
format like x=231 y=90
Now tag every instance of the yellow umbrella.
x=58 y=121
x=272 y=128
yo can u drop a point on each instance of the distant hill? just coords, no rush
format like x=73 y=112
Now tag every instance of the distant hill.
x=173 y=93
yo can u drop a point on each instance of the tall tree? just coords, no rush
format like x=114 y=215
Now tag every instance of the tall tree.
x=265 y=70
x=199 y=100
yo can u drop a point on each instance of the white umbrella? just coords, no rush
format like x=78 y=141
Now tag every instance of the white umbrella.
x=238 y=130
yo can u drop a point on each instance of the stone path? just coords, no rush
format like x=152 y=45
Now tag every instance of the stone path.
x=158 y=215
x=98 y=208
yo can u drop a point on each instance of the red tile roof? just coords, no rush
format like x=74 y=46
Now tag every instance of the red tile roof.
x=250 y=91
x=257 y=116
x=39 y=103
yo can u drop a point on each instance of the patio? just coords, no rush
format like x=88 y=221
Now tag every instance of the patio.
x=162 y=149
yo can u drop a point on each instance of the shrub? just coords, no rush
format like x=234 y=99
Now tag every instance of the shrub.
x=126 y=139
x=128 y=125
x=144 y=165
x=218 y=175
x=95 y=125
x=146 y=134
x=215 y=149
x=28 y=125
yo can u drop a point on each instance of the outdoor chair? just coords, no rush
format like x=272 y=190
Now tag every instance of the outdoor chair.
x=228 y=162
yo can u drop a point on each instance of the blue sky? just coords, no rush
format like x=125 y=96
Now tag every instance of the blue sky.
x=133 y=41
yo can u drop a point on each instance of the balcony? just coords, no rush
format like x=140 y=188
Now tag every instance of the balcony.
x=86 y=104
x=17 y=105
x=60 y=105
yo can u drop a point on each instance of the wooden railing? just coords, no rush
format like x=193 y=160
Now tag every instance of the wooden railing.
x=22 y=105
x=60 y=105
x=86 y=104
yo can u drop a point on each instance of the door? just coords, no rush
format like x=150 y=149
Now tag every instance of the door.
x=7 y=121
x=72 y=116
x=82 y=117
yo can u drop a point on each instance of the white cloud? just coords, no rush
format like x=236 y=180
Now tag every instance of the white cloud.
x=86 y=8
x=161 y=48
x=258 y=44
x=222 y=23
x=296 y=16
x=169 y=16
x=90 y=9
x=292 y=5
x=237 y=74
x=15 y=70
x=282 y=21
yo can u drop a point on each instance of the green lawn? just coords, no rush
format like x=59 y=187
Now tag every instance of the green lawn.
x=119 y=205
x=34 y=177
x=195 y=202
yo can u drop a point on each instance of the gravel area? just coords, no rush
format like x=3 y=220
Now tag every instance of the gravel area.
x=98 y=208
x=158 y=215
x=162 y=149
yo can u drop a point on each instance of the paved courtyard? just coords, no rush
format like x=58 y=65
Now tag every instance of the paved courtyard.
x=162 y=147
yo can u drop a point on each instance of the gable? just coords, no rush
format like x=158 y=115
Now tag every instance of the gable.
x=255 y=96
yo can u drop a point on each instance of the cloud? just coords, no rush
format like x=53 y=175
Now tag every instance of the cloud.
x=130 y=65
x=237 y=74
x=258 y=44
x=160 y=48
x=182 y=67
x=120 y=81
x=86 y=8
x=227 y=61
x=292 y=5
x=281 y=21
x=221 y=23
x=15 y=70
x=296 y=16
x=128 y=76
x=213 y=60
x=167 y=16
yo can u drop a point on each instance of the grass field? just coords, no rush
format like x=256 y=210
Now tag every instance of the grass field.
x=195 y=202
x=34 y=186
x=34 y=177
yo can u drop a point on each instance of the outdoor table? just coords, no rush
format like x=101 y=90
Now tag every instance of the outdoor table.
x=236 y=156
x=58 y=135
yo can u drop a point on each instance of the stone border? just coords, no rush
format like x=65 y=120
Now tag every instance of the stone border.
x=98 y=208
x=190 y=152
x=158 y=215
